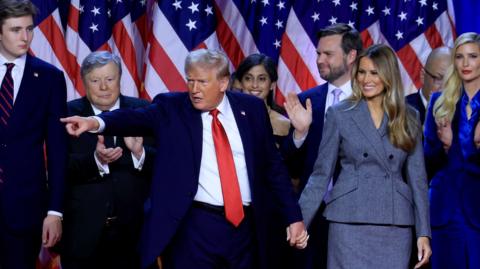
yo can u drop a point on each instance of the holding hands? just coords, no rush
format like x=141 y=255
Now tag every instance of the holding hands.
x=297 y=235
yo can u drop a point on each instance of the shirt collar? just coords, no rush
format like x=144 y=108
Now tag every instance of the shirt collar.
x=346 y=88
x=474 y=102
x=19 y=62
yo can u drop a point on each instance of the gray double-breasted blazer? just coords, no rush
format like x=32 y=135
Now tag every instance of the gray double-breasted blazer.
x=378 y=183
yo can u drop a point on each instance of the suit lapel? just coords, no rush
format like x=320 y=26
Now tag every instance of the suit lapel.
x=320 y=104
x=361 y=117
x=241 y=118
x=193 y=121
x=87 y=108
x=26 y=97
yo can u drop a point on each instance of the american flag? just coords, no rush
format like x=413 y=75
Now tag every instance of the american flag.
x=153 y=37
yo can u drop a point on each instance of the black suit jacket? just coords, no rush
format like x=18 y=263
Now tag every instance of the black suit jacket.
x=415 y=100
x=91 y=197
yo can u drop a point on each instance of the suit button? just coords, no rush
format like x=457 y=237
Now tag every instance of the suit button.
x=365 y=154
x=390 y=156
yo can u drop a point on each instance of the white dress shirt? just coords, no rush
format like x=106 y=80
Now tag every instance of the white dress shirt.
x=17 y=72
x=104 y=168
x=424 y=100
x=209 y=186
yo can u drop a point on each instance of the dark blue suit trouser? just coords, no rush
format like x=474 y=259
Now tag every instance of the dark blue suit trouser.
x=19 y=249
x=206 y=240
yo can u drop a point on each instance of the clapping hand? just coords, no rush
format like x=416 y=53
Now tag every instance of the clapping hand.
x=135 y=145
x=107 y=155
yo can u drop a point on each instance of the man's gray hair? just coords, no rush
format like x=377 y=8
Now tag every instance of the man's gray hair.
x=208 y=59
x=98 y=59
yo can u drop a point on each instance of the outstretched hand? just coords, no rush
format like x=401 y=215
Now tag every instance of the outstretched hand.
x=300 y=117
x=77 y=125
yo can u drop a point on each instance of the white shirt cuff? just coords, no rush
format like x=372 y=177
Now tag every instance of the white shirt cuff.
x=299 y=141
x=55 y=213
x=101 y=125
x=138 y=163
x=102 y=168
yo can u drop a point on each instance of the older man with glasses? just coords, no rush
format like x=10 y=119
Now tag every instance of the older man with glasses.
x=432 y=77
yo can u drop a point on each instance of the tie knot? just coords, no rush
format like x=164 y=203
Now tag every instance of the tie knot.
x=9 y=66
x=336 y=92
x=105 y=111
x=214 y=112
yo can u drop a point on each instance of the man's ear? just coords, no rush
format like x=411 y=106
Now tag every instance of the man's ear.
x=352 y=56
x=223 y=83
x=422 y=75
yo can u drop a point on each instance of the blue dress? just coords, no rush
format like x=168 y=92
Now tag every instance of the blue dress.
x=454 y=188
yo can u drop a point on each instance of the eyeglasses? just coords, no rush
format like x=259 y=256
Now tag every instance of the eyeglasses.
x=436 y=79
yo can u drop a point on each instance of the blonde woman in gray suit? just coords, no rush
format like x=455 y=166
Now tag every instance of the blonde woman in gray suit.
x=381 y=191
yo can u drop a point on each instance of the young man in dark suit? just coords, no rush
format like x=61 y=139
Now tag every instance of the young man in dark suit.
x=215 y=163
x=108 y=177
x=32 y=101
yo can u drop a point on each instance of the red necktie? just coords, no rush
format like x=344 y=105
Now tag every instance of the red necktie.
x=6 y=95
x=232 y=198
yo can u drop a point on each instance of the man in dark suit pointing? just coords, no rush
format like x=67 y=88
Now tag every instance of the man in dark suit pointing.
x=215 y=162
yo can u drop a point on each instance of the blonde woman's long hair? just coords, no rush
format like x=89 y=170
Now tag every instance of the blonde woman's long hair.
x=403 y=128
x=445 y=105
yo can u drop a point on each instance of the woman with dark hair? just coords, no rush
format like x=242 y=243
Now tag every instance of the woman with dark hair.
x=380 y=194
x=258 y=76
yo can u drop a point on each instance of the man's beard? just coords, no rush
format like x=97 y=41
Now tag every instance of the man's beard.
x=336 y=72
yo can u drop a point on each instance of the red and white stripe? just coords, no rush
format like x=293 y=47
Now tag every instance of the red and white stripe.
x=126 y=42
x=49 y=45
x=298 y=55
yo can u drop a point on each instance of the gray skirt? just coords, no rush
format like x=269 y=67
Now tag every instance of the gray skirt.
x=358 y=246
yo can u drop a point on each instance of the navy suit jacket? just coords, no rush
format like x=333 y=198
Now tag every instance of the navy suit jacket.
x=302 y=159
x=177 y=128
x=26 y=194
x=455 y=179
x=90 y=196
x=415 y=100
